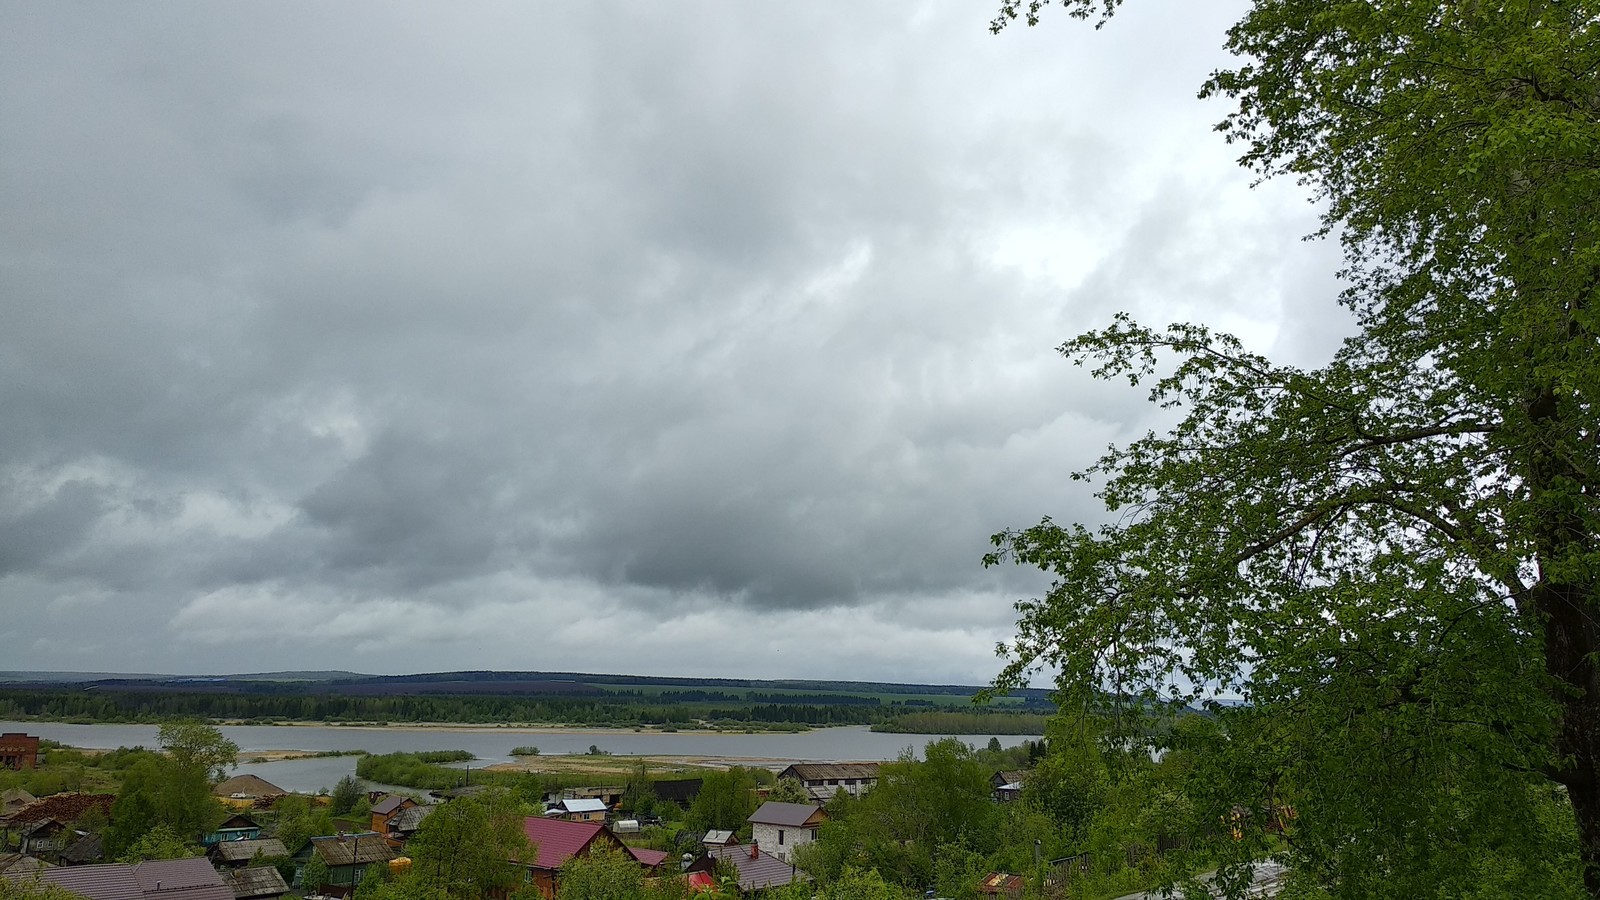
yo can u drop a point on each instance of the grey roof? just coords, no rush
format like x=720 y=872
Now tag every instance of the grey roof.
x=156 y=879
x=717 y=837
x=17 y=864
x=108 y=882
x=831 y=771
x=339 y=851
x=181 y=879
x=244 y=851
x=389 y=804
x=410 y=818
x=257 y=881
x=764 y=871
x=789 y=815
x=86 y=849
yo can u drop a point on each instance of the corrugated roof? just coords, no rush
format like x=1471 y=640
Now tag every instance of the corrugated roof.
x=829 y=771
x=789 y=815
x=257 y=881
x=583 y=805
x=181 y=879
x=717 y=837
x=337 y=851
x=107 y=882
x=648 y=858
x=558 y=840
x=764 y=871
x=244 y=851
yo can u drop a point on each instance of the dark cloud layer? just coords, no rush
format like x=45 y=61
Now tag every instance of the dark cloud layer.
x=584 y=336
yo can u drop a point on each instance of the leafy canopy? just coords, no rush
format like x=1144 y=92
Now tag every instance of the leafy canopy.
x=1393 y=556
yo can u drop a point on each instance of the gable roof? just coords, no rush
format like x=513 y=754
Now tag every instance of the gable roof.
x=764 y=871
x=718 y=837
x=831 y=771
x=244 y=851
x=390 y=803
x=648 y=858
x=249 y=786
x=410 y=818
x=181 y=879
x=583 y=805
x=257 y=881
x=337 y=851
x=789 y=815
x=106 y=882
x=558 y=840
x=156 y=879
x=86 y=849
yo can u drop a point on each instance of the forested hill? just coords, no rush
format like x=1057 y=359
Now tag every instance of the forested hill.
x=534 y=697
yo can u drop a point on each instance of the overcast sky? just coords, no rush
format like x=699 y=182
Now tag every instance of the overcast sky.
x=658 y=338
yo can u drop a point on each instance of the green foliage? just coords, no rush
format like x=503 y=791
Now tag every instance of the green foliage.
x=466 y=848
x=159 y=791
x=417 y=770
x=160 y=842
x=960 y=722
x=725 y=801
x=790 y=790
x=1395 y=556
x=525 y=751
x=859 y=884
x=603 y=874
x=198 y=747
x=918 y=810
x=316 y=874
x=298 y=821
x=346 y=794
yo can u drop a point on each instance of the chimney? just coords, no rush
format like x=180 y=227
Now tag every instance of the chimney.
x=755 y=849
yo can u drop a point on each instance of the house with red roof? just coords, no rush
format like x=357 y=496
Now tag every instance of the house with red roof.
x=556 y=841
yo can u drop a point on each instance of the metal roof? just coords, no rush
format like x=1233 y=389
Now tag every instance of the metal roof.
x=583 y=805
x=789 y=815
x=762 y=871
x=558 y=840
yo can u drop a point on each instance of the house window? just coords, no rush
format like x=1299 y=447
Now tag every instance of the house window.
x=780 y=837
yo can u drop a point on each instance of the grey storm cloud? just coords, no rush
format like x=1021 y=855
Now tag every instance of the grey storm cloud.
x=552 y=336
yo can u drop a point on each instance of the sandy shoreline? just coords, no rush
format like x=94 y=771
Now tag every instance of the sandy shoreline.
x=458 y=727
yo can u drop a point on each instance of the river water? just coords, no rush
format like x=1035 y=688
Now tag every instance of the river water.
x=491 y=744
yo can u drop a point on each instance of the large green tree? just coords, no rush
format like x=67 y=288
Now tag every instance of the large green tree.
x=468 y=848
x=1392 y=556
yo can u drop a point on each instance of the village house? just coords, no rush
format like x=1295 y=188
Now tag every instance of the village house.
x=18 y=751
x=403 y=825
x=1006 y=787
x=823 y=780
x=347 y=856
x=234 y=828
x=256 y=883
x=758 y=869
x=555 y=841
x=238 y=854
x=583 y=810
x=781 y=827
x=387 y=807
x=156 y=879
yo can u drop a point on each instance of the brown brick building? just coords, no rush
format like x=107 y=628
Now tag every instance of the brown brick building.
x=18 y=750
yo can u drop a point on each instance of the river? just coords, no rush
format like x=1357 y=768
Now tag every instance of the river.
x=493 y=744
